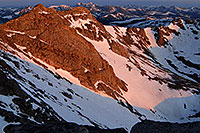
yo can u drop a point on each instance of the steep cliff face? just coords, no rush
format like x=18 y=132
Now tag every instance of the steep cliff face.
x=49 y=36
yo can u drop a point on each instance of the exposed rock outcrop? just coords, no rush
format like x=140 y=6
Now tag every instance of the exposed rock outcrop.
x=42 y=113
x=47 y=35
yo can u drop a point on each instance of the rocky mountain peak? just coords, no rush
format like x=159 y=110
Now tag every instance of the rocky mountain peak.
x=51 y=37
x=80 y=10
x=40 y=7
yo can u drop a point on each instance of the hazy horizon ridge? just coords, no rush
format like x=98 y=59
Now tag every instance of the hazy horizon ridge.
x=23 y=3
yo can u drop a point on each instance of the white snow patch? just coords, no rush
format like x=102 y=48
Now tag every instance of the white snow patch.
x=79 y=23
x=7 y=17
x=17 y=13
x=43 y=12
x=67 y=75
x=3 y=123
x=86 y=70
x=20 y=47
x=18 y=32
x=174 y=27
x=177 y=111
x=77 y=14
x=151 y=37
x=111 y=30
x=33 y=37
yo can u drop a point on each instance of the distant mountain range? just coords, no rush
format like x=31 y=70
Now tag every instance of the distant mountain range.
x=112 y=14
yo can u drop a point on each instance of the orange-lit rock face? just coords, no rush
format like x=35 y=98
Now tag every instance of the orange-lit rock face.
x=47 y=35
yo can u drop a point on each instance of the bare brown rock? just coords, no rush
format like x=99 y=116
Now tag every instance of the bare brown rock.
x=163 y=31
x=143 y=41
x=47 y=35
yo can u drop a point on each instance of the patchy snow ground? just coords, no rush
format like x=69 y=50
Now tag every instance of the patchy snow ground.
x=105 y=112
x=185 y=45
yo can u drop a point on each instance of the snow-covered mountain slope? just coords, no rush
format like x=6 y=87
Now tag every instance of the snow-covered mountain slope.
x=34 y=92
x=181 y=52
x=125 y=64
